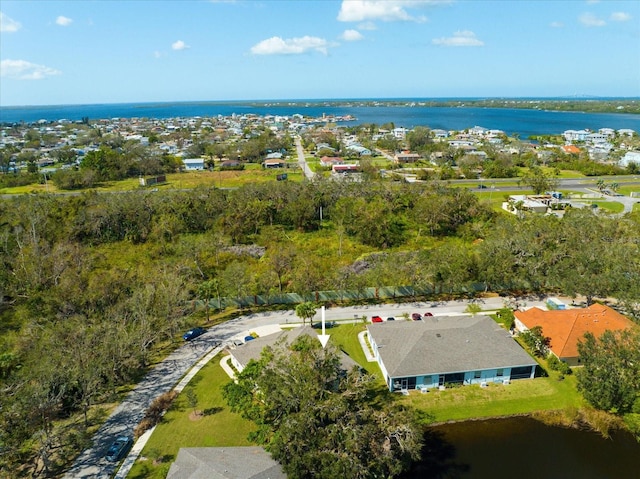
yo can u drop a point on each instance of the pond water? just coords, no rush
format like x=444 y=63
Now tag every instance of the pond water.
x=524 y=448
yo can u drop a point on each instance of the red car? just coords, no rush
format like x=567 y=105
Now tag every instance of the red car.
x=428 y=314
x=416 y=316
x=376 y=319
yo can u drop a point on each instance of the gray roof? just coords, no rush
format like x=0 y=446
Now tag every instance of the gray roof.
x=224 y=463
x=439 y=345
x=252 y=349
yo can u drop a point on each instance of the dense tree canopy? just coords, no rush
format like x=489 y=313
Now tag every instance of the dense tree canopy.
x=126 y=267
x=318 y=420
x=610 y=376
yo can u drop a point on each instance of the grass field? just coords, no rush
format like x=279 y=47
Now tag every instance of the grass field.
x=218 y=426
x=520 y=397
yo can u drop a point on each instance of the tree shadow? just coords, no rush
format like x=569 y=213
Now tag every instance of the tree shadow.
x=212 y=410
x=437 y=460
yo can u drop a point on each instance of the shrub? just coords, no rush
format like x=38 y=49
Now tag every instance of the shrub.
x=154 y=412
x=556 y=365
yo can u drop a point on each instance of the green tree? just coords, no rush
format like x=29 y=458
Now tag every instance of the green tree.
x=306 y=311
x=610 y=376
x=318 y=421
x=536 y=341
x=539 y=181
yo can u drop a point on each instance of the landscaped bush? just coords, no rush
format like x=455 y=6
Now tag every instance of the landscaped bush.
x=556 y=365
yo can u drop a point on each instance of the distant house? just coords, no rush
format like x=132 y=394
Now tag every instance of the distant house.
x=626 y=132
x=575 y=135
x=400 y=133
x=571 y=149
x=478 y=131
x=348 y=168
x=224 y=463
x=193 y=164
x=532 y=203
x=444 y=350
x=630 y=157
x=331 y=160
x=273 y=163
x=437 y=133
x=566 y=327
x=407 y=157
x=359 y=149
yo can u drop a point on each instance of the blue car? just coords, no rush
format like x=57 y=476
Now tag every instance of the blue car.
x=119 y=448
x=193 y=333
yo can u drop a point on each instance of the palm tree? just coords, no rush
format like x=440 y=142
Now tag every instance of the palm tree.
x=306 y=311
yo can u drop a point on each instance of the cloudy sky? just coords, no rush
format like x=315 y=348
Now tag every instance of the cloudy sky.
x=110 y=51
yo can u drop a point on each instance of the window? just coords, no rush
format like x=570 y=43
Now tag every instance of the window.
x=477 y=375
x=500 y=372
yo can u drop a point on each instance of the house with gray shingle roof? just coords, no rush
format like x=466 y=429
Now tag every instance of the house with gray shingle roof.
x=224 y=463
x=241 y=355
x=447 y=350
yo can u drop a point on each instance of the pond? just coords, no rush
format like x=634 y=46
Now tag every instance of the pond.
x=524 y=448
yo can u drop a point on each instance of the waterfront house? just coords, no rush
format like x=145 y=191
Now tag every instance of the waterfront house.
x=566 y=327
x=440 y=350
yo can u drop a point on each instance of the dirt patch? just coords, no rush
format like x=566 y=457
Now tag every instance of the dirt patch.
x=195 y=415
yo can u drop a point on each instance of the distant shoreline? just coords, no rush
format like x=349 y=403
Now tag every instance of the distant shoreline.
x=628 y=105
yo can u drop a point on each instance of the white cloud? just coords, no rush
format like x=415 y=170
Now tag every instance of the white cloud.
x=290 y=46
x=24 y=70
x=463 y=38
x=556 y=24
x=157 y=54
x=63 y=21
x=179 y=45
x=386 y=10
x=8 y=25
x=351 y=35
x=367 y=26
x=590 y=20
x=620 y=17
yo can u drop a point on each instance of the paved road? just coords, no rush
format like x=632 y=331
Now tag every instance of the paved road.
x=91 y=463
x=302 y=161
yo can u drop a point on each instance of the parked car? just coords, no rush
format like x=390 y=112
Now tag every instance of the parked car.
x=376 y=319
x=248 y=338
x=391 y=318
x=119 y=448
x=327 y=324
x=428 y=313
x=416 y=316
x=193 y=333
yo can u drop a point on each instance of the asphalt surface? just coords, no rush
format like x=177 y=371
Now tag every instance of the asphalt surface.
x=91 y=462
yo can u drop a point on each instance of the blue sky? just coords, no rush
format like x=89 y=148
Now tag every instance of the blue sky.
x=110 y=51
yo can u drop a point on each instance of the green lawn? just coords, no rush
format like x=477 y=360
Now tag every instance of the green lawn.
x=520 y=397
x=217 y=427
x=610 y=206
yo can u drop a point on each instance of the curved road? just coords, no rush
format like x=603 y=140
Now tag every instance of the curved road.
x=91 y=462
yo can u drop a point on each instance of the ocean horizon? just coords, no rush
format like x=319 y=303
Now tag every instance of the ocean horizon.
x=405 y=112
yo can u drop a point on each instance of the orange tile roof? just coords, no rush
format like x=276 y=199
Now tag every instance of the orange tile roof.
x=571 y=149
x=566 y=327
